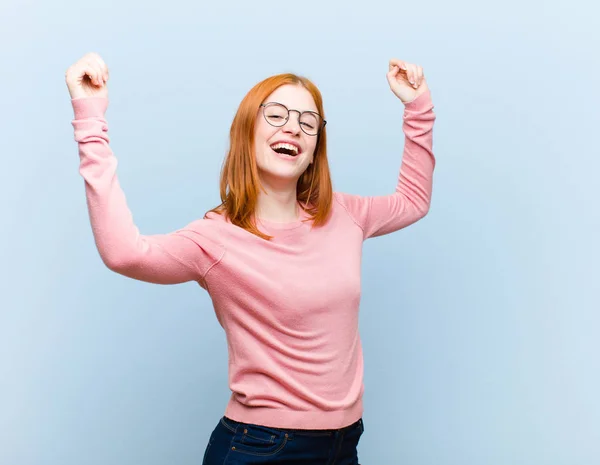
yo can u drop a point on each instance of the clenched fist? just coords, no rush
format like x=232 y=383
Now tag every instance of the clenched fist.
x=406 y=80
x=88 y=77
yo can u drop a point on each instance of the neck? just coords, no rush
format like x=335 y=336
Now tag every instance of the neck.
x=278 y=203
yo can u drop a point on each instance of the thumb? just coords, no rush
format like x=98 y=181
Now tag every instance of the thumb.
x=391 y=75
x=397 y=80
x=399 y=85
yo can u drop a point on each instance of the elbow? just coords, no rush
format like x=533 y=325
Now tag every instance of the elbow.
x=423 y=210
x=118 y=263
x=416 y=203
x=420 y=208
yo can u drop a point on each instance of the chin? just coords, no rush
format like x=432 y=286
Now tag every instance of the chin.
x=282 y=169
x=282 y=175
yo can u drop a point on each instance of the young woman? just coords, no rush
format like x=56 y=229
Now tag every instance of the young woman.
x=280 y=258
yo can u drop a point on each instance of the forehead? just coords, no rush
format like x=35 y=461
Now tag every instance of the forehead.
x=295 y=97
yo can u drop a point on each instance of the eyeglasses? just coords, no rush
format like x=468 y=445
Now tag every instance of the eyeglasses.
x=278 y=115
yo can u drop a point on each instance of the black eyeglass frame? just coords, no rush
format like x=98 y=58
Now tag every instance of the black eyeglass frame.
x=300 y=113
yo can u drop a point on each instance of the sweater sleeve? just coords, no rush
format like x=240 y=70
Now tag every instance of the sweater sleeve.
x=180 y=256
x=378 y=215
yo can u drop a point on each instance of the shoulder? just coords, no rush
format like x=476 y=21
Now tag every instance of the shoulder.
x=213 y=217
x=354 y=206
x=208 y=227
x=344 y=198
x=352 y=203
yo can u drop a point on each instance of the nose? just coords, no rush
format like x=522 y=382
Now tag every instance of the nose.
x=292 y=125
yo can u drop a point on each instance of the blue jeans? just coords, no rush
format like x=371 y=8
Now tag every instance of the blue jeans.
x=234 y=443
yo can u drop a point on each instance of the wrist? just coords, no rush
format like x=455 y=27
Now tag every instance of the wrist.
x=89 y=107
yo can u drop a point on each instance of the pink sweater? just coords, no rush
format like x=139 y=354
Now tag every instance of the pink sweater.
x=289 y=307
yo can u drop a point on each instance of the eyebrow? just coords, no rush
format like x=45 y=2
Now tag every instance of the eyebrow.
x=292 y=109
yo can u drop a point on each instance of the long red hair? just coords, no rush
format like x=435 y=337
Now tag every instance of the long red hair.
x=240 y=183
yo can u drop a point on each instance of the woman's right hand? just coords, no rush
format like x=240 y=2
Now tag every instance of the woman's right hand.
x=88 y=77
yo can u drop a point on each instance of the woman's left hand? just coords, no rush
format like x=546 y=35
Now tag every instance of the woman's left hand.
x=406 y=80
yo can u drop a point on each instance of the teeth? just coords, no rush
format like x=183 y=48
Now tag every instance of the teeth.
x=282 y=145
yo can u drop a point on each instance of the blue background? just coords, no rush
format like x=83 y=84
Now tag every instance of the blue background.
x=480 y=323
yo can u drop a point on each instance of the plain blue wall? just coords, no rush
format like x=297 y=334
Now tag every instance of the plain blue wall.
x=480 y=323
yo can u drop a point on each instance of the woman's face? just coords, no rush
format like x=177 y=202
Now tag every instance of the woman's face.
x=283 y=153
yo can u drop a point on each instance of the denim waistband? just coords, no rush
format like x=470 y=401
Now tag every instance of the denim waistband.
x=298 y=432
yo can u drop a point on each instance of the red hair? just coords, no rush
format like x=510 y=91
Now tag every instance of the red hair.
x=240 y=183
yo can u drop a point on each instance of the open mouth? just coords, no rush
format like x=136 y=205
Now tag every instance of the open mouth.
x=285 y=149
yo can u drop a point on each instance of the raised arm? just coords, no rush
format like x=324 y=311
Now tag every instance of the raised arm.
x=183 y=255
x=378 y=215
